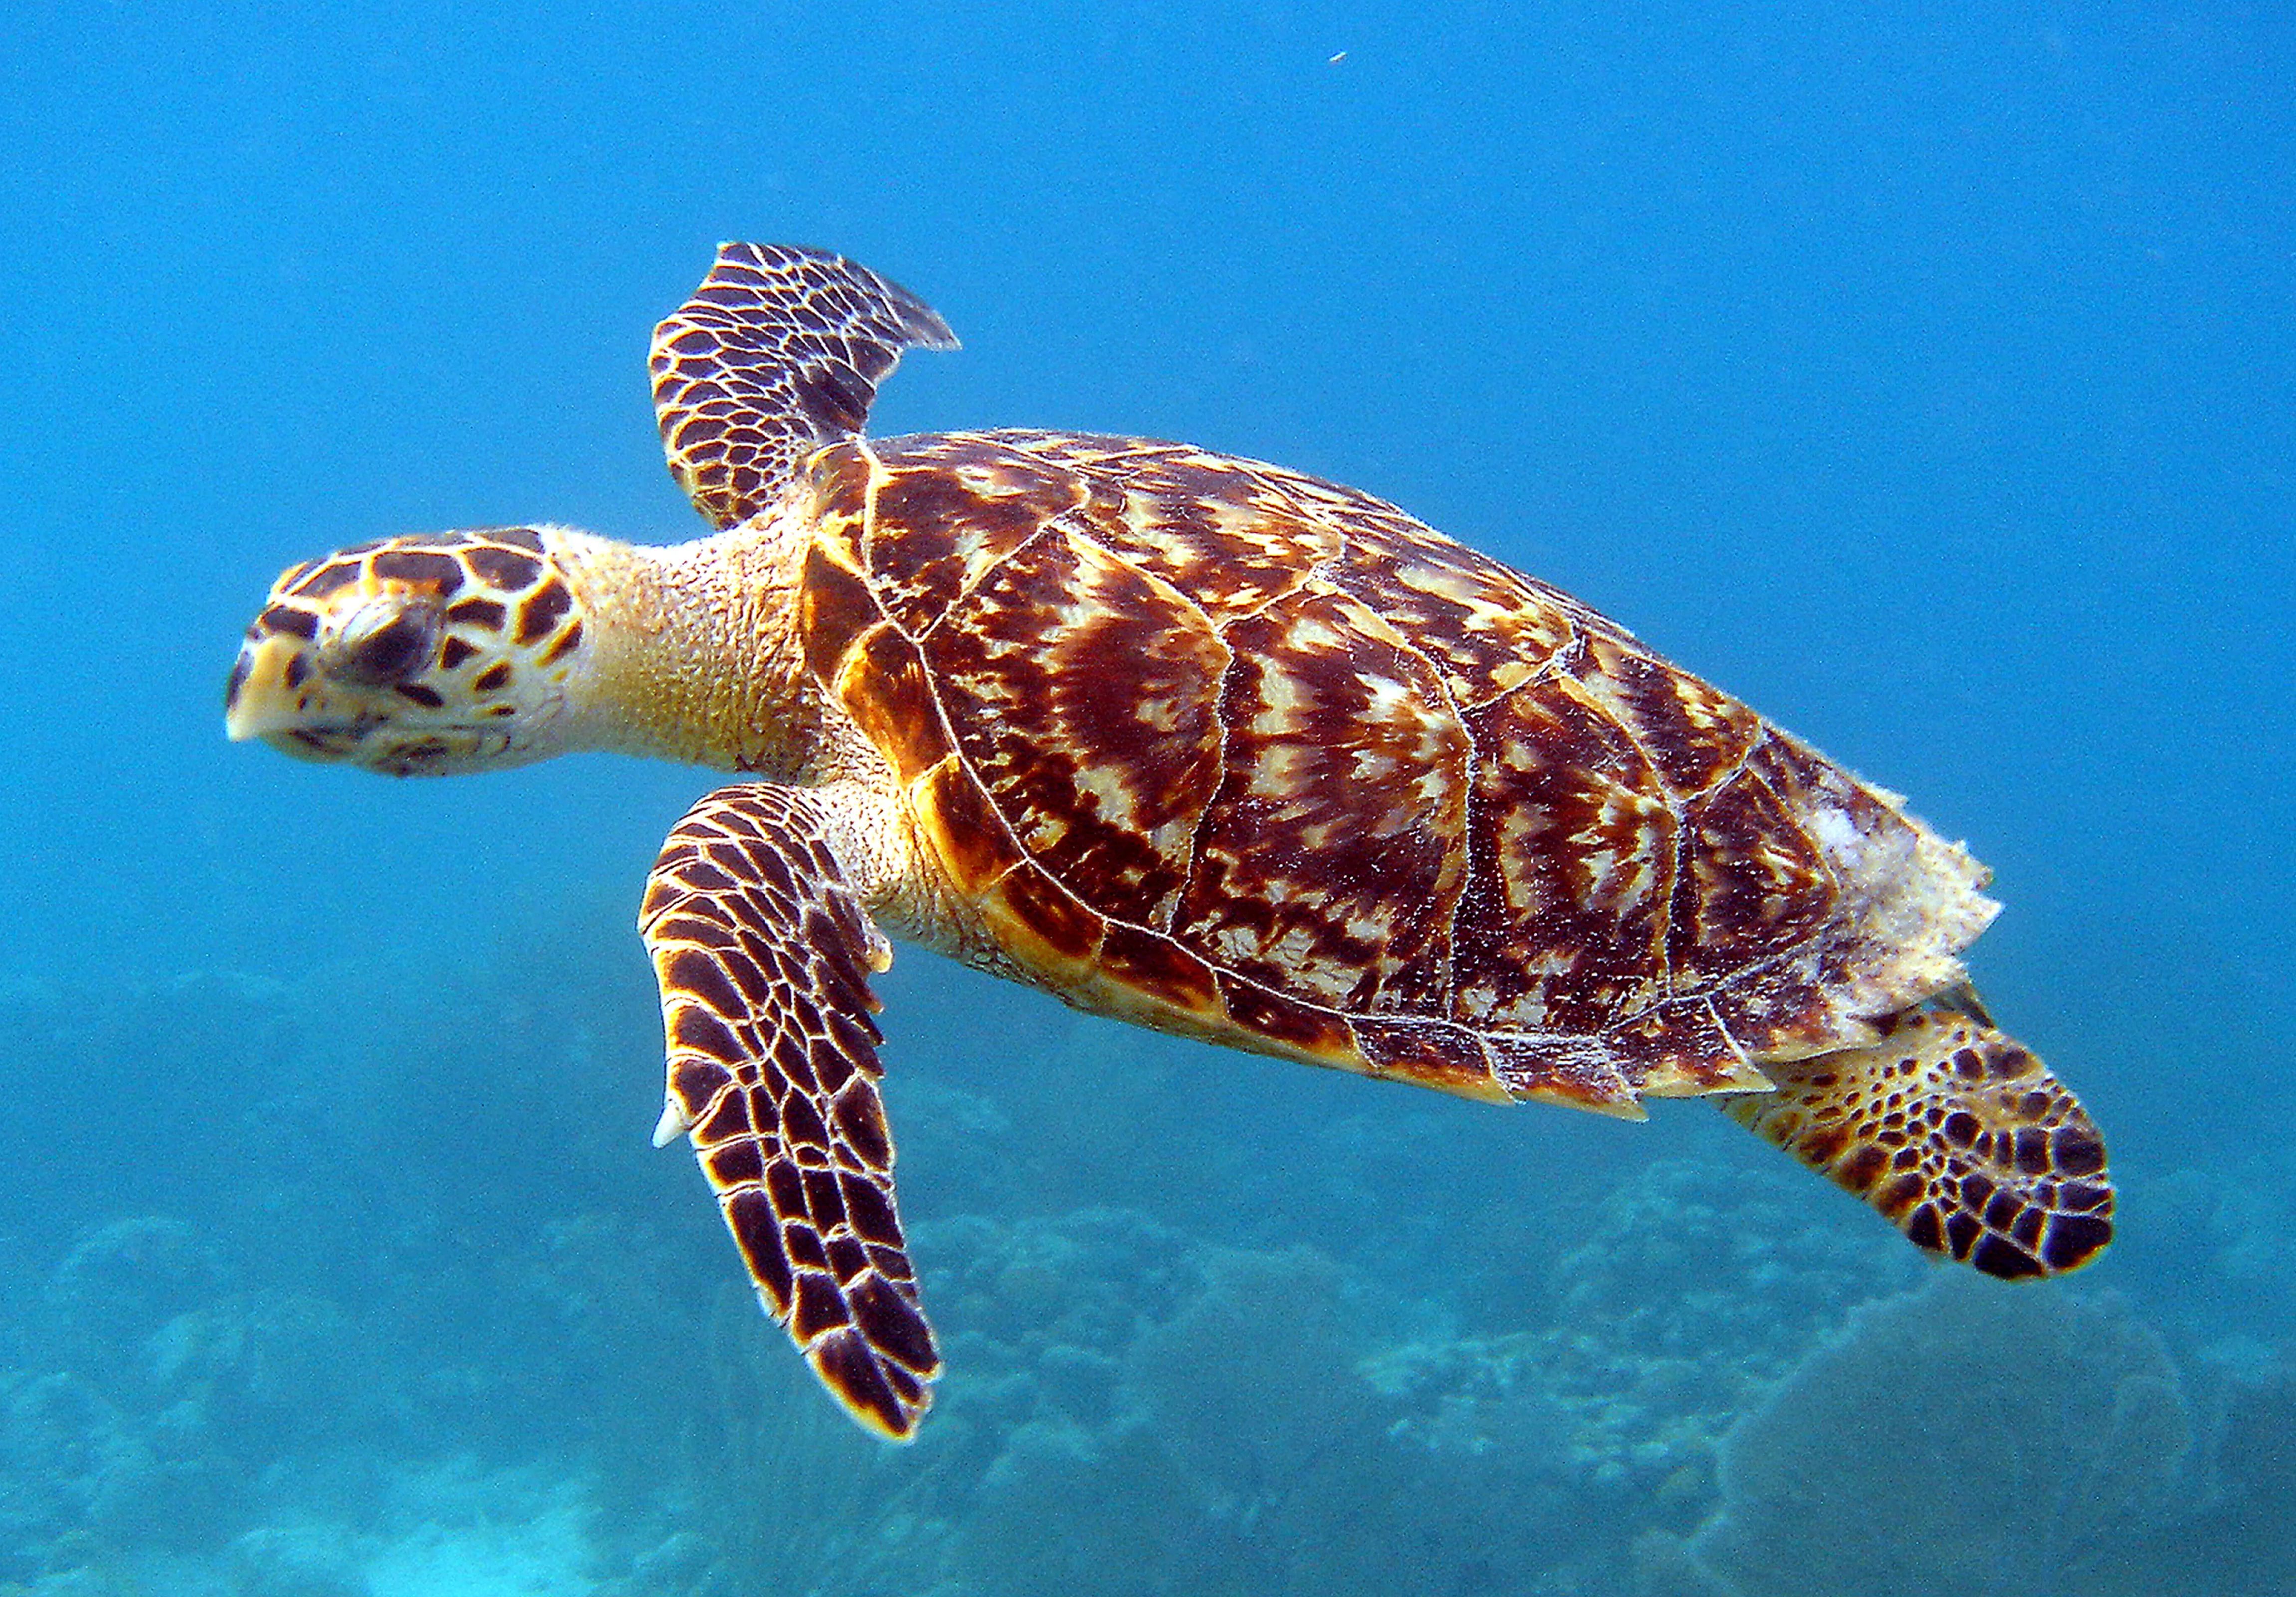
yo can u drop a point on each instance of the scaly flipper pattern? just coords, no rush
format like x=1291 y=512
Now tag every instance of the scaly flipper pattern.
x=780 y=351
x=1953 y=1130
x=764 y=955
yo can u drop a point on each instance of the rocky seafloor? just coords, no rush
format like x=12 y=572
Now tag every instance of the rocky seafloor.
x=345 y=1287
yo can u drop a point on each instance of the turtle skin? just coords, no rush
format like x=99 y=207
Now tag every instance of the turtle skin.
x=1187 y=740
x=1231 y=751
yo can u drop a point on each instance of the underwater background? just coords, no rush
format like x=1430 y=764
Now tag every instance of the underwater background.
x=1921 y=375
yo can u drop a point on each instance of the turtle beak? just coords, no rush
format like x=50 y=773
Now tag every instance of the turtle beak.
x=261 y=699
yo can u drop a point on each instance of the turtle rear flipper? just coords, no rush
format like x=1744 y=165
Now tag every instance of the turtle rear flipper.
x=763 y=954
x=1953 y=1130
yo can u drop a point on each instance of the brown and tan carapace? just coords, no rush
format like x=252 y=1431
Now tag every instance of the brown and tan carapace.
x=1191 y=740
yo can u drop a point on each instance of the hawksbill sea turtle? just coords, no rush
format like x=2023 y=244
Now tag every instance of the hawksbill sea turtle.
x=1187 y=740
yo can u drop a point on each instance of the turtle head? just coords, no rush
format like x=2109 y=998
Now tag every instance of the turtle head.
x=434 y=654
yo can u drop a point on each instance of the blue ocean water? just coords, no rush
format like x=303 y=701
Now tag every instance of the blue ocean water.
x=1921 y=378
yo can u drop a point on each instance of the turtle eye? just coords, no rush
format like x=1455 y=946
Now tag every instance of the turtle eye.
x=385 y=645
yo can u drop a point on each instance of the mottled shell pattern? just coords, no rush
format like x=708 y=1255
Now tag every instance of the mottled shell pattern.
x=1239 y=753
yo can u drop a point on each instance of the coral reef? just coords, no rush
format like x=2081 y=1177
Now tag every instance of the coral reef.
x=1651 y=1342
x=68 y=1460
x=1955 y=1438
x=118 y=1284
x=256 y=1377
x=1339 y=1339
x=2240 y=1543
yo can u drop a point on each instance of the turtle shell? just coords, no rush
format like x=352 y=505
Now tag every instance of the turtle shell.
x=1231 y=751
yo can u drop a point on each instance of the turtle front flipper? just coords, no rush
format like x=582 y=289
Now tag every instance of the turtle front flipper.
x=763 y=954
x=780 y=351
x=1955 y=1131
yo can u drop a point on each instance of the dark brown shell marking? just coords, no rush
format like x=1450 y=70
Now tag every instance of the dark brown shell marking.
x=1266 y=759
